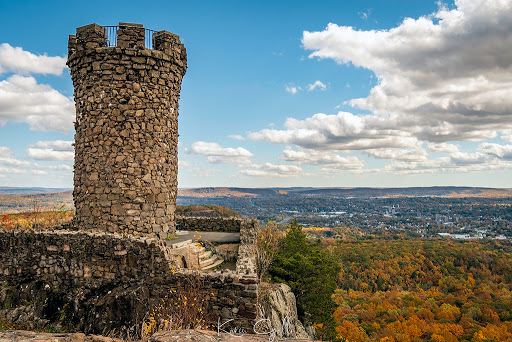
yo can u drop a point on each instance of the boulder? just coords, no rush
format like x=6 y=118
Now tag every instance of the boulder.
x=277 y=311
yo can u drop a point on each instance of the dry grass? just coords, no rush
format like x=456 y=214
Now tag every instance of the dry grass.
x=184 y=308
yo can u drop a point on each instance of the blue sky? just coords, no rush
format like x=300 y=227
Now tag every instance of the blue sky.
x=285 y=93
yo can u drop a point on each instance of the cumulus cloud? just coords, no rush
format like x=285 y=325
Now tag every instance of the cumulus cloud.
x=317 y=85
x=11 y=165
x=488 y=157
x=365 y=15
x=236 y=137
x=313 y=157
x=49 y=154
x=344 y=131
x=442 y=77
x=11 y=161
x=5 y=151
x=292 y=89
x=271 y=170
x=22 y=171
x=507 y=135
x=255 y=173
x=217 y=154
x=500 y=151
x=283 y=169
x=442 y=147
x=56 y=145
x=204 y=172
x=183 y=163
x=17 y=60
x=22 y=99
x=411 y=154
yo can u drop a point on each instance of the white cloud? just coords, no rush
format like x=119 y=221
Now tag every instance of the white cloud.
x=43 y=108
x=17 y=60
x=275 y=171
x=22 y=171
x=49 y=154
x=500 y=151
x=411 y=154
x=5 y=151
x=183 y=163
x=56 y=145
x=442 y=77
x=204 y=172
x=236 y=137
x=255 y=173
x=285 y=170
x=11 y=161
x=64 y=167
x=344 y=131
x=27 y=167
x=507 y=135
x=488 y=157
x=292 y=89
x=317 y=85
x=365 y=15
x=313 y=157
x=221 y=155
x=442 y=147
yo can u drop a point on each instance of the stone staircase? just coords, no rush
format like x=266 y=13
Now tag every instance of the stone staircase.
x=196 y=256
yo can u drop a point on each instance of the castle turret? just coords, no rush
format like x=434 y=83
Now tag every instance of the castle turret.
x=126 y=140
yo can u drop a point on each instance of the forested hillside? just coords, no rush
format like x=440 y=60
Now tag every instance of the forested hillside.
x=424 y=290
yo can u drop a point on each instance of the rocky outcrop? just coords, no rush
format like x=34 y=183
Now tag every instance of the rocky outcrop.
x=167 y=336
x=21 y=335
x=213 y=336
x=277 y=311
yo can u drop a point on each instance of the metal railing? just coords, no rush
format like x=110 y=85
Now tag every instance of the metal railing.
x=111 y=39
x=111 y=35
x=148 y=36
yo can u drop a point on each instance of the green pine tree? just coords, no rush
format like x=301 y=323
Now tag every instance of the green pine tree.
x=311 y=273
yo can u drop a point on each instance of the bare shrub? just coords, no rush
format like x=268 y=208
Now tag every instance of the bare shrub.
x=183 y=308
x=266 y=247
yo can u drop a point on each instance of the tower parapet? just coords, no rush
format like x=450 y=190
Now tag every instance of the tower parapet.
x=126 y=140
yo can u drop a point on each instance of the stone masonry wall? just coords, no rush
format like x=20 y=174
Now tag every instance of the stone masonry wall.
x=126 y=99
x=97 y=282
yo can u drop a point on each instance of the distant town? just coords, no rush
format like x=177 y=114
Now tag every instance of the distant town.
x=451 y=212
x=460 y=213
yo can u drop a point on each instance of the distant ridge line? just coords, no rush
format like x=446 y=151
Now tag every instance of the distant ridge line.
x=433 y=191
x=11 y=190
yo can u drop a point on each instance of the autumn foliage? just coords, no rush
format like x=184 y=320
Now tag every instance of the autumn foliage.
x=424 y=290
x=36 y=219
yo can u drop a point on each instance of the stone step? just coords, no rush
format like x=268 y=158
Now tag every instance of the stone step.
x=181 y=244
x=197 y=249
x=205 y=255
x=215 y=264
x=207 y=262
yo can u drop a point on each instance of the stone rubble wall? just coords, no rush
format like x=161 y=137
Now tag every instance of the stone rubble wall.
x=126 y=99
x=85 y=257
x=246 y=263
x=95 y=282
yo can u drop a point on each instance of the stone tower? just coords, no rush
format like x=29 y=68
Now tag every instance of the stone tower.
x=126 y=141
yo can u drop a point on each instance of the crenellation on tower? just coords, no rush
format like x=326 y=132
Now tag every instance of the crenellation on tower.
x=90 y=37
x=131 y=36
x=126 y=99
